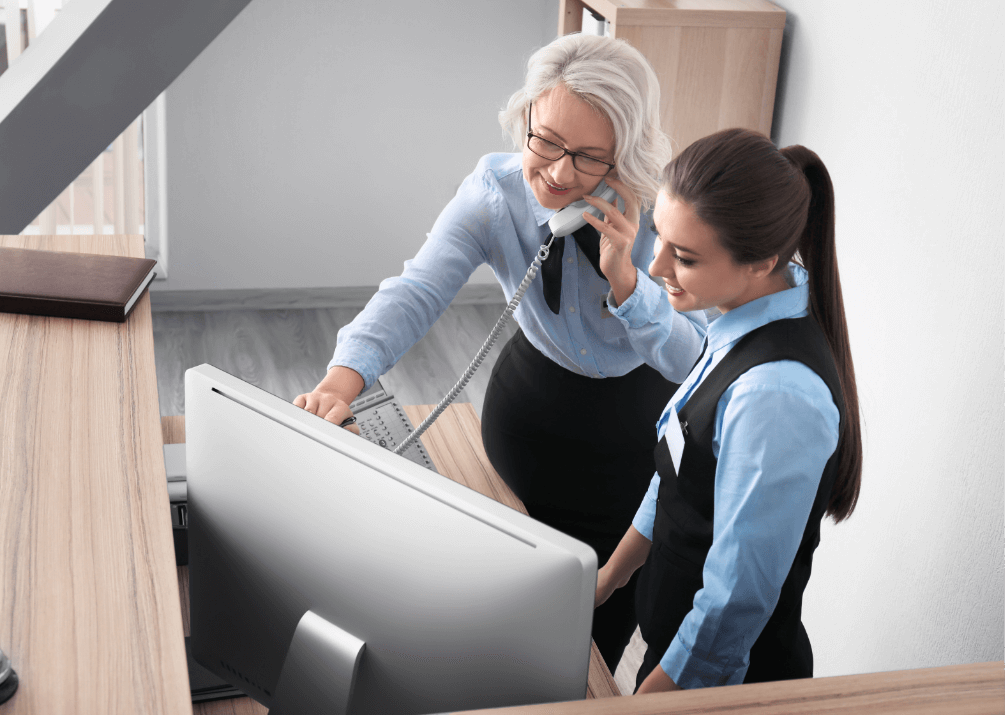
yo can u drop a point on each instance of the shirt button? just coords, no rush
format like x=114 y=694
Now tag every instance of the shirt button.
x=572 y=309
x=582 y=351
x=569 y=259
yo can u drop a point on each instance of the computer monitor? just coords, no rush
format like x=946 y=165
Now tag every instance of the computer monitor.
x=325 y=569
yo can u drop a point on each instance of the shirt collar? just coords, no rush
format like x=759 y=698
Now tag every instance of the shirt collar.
x=738 y=322
x=541 y=214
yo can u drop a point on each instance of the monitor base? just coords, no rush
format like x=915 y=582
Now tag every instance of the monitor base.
x=319 y=673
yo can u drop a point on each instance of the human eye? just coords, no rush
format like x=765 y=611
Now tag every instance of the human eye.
x=683 y=261
x=550 y=143
x=589 y=164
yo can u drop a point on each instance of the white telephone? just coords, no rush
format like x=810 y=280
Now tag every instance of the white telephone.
x=561 y=224
x=571 y=218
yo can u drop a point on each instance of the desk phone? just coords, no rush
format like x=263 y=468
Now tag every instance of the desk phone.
x=382 y=421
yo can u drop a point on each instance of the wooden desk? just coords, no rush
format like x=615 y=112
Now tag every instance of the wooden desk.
x=454 y=443
x=89 y=609
x=976 y=689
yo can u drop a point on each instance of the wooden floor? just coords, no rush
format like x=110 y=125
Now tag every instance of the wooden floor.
x=286 y=352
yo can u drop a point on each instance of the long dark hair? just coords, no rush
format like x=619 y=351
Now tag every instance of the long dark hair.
x=762 y=202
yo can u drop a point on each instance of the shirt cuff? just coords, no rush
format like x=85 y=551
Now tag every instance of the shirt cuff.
x=689 y=671
x=360 y=357
x=645 y=517
x=638 y=310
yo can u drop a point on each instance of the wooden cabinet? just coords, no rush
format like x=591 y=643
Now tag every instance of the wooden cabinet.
x=717 y=60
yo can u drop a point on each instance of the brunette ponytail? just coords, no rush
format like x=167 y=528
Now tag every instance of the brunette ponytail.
x=819 y=258
x=765 y=202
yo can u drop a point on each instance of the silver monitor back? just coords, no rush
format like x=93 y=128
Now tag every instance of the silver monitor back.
x=461 y=602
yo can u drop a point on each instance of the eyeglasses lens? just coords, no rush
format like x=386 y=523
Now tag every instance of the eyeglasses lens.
x=546 y=150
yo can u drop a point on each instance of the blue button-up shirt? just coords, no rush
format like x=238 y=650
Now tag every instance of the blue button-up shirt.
x=775 y=429
x=495 y=219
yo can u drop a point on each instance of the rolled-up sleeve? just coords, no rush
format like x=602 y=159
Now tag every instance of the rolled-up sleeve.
x=667 y=340
x=776 y=427
x=645 y=517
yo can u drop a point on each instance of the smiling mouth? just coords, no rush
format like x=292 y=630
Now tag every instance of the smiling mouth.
x=673 y=291
x=555 y=188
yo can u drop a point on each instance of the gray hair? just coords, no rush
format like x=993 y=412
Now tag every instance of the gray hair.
x=614 y=78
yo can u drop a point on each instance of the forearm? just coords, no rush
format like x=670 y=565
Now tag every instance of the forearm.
x=667 y=340
x=406 y=306
x=632 y=551
x=657 y=682
x=623 y=283
x=626 y=559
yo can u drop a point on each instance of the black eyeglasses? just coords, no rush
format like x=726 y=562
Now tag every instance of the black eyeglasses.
x=553 y=152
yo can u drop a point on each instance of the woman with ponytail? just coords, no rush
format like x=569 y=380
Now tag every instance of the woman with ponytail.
x=762 y=439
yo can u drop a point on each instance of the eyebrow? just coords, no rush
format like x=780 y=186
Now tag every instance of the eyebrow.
x=561 y=138
x=678 y=247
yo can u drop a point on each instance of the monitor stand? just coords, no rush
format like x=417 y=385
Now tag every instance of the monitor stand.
x=320 y=669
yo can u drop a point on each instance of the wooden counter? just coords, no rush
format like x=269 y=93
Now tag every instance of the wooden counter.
x=977 y=689
x=89 y=609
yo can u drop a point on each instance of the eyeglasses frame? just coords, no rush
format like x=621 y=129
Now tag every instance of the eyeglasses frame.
x=565 y=151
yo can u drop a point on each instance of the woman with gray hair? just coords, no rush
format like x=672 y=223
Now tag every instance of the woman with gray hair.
x=570 y=411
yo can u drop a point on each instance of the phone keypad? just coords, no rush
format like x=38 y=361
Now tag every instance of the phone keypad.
x=385 y=424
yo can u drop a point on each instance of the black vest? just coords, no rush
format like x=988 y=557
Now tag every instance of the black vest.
x=682 y=533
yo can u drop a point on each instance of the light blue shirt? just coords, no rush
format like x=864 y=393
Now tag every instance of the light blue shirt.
x=775 y=429
x=495 y=219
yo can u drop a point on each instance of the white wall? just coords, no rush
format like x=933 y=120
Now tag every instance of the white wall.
x=903 y=101
x=313 y=143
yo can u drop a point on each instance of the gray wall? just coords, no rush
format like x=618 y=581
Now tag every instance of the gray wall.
x=903 y=101
x=306 y=147
x=314 y=143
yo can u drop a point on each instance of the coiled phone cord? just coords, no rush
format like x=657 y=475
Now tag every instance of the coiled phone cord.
x=535 y=266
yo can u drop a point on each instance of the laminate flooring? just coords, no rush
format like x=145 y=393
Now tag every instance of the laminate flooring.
x=286 y=352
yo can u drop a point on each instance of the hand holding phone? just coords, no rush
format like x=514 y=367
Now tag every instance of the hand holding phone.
x=571 y=219
x=617 y=237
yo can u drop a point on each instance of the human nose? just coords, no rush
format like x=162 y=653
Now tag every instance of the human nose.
x=563 y=171
x=661 y=265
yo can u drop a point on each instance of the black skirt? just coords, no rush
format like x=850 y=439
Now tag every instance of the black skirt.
x=578 y=452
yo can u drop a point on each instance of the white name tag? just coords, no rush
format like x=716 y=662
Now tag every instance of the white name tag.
x=675 y=439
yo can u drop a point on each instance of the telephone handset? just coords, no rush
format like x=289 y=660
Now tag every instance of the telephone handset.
x=563 y=223
x=571 y=218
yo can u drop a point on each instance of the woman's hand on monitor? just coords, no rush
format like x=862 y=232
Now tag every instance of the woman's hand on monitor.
x=332 y=396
